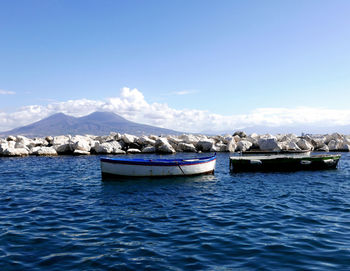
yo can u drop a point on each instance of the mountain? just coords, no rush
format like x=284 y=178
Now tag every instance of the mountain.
x=97 y=123
x=297 y=129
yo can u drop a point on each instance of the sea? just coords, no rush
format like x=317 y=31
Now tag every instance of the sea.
x=56 y=213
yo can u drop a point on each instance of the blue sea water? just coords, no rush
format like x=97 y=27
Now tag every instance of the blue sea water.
x=57 y=214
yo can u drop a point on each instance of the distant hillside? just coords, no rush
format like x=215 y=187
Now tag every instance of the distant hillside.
x=297 y=129
x=97 y=123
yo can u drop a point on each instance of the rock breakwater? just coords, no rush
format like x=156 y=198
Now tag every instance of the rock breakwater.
x=116 y=143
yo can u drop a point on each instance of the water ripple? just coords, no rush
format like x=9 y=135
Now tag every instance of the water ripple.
x=56 y=213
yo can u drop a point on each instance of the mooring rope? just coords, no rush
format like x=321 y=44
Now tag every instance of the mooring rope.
x=180 y=168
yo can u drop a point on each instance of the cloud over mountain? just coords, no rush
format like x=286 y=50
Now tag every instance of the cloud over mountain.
x=6 y=92
x=132 y=105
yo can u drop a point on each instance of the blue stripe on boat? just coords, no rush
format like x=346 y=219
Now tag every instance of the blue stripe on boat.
x=160 y=162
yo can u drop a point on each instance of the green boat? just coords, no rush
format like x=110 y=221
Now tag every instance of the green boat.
x=283 y=162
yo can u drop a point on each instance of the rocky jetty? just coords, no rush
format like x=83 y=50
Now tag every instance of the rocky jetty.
x=116 y=143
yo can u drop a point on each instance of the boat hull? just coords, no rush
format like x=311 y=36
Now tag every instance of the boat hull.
x=284 y=163
x=156 y=168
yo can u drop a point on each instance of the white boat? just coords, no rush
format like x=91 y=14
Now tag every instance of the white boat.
x=157 y=167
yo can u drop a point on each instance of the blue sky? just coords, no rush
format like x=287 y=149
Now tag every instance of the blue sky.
x=224 y=60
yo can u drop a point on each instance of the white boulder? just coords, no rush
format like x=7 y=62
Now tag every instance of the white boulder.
x=217 y=139
x=345 y=147
x=128 y=139
x=173 y=139
x=145 y=140
x=292 y=146
x=60 y=140
x=62 y=144
x=289 y=137
x=3 y=147
x=103 y=147
x=15 y=152
x=80 y=152
x=154 y=137
x=165 y=149
x=163 y=146
x=347 y=139
x=227 y=139
x=305 y=145
x=118 y=151
x=11 y=144
x=49 y=139
x=205 y=145
x=37 y=142
x=334 y=136
x=221 y=147
x=61 y=149
x=115 y=136
x=131 y=150
x=267 y=136
x=323 y=148
x=244 y=145
x=20 y=145
x=81 y=145
x=241 y=134
x=22 y=142
x=108 y=147
x=282 y=146
x=149 y=149
x=236 y=138
x=189 y=139
x=268 y=144
x=43 y=151
x=231 y=146
x=11 y=138
x=318 y=142
x=186 y=147
x=335 y=144
x=252 y=140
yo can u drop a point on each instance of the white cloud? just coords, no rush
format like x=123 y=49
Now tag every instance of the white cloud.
x=6 y=92
x=185 y=92
x=132 y=105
